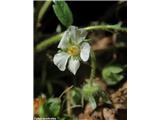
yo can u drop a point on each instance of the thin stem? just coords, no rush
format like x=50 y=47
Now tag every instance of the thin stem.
x=68 y=105
x=82 y=100
x=76 y=106
x=43 y=10
x=48 y=42
x=93 y=67
x=65 y=91
x=106 y=28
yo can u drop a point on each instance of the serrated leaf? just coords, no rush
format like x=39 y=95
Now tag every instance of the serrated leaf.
x=53 y=106
x=63 y=13
x=111 y=74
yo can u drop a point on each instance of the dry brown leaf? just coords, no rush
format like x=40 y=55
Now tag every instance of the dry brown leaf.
x=88 y=109
x=102 y=44
x=119 y=98
x=84 y=117
x=101 y=84
x=97 y=116
x=109 y=114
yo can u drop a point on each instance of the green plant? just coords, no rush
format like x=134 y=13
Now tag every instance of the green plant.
x=74 y=49
x=112 y=74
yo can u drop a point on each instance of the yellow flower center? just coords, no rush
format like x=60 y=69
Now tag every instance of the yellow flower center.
x=73 y=50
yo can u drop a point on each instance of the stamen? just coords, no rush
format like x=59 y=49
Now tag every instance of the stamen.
x=73 y=50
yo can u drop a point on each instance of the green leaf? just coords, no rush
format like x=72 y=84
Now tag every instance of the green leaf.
x=89 y=90
x=63 y=13
x=41 y=111
x=112 y=69
x=76 y=96
x=112 y=74
x=92 y=102
x=53 y=107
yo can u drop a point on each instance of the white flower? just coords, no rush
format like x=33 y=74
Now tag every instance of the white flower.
x=73 y=49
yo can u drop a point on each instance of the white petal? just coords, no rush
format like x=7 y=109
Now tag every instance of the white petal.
x=72 y=32
x=81 y=35
x=73 y=65
x=64 y=40
x=85 y=51
x=60 y=60
x=77 y=35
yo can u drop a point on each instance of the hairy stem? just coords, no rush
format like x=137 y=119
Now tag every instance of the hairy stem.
x=48 y=42
x=93 y=67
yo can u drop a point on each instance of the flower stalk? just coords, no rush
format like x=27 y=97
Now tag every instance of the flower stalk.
x=48 y=42
x=106 y=28
x=93 y=67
